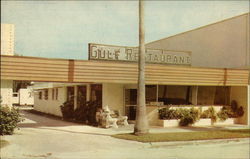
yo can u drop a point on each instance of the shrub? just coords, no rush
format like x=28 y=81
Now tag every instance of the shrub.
x=67 y=109
x=236 y=111
x=85 y=113
x=188 y=116
x=9 y=118
x=223 y=114
x=210 y=113
x=167 y=113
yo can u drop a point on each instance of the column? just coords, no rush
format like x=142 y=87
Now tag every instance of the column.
x=88 y=89
x=194 y=95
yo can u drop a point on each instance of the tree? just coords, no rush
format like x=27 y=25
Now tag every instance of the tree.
x=141 y=123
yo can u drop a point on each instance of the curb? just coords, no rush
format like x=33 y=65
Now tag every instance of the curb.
x=197 y=142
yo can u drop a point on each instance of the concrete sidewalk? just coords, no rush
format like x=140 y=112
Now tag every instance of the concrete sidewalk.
x=34 y=120
x=49 y=138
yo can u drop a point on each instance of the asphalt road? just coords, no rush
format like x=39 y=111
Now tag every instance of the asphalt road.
x=42 y=137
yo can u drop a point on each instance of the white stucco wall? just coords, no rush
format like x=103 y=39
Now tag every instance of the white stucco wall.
x=223 y=44
x=50 y=106
x=7 y=39
x=6 y=92
x=26 y=96
x=240 y=95
x=113 y=96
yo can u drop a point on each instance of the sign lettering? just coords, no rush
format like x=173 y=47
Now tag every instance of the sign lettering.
x=117 y=53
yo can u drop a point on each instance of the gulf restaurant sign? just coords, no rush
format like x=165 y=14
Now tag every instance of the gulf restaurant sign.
x=130 y=54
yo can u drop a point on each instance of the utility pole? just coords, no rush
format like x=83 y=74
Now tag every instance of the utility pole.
x=141 y=123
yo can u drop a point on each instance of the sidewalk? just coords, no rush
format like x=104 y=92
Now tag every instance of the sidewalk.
x=51 y=138
x=39 y=121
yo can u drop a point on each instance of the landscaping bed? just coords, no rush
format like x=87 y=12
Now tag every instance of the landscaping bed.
x=186 y=136
x=173 y=116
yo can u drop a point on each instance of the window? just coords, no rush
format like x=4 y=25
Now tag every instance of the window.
x=46 y=92
x=56 y=93
x=53 y=93
x=40 y=94
x=15 y=94
x=151 y=93
x=175 y=95
x=70 y=93
x=81 y=95
x=96 y=93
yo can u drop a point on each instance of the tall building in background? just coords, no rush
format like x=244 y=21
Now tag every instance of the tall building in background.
x=7 y=48
x=7 y=39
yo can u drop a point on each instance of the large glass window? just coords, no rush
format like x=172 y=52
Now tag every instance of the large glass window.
x=96 y=93
x=70 y=94
x=213 y=95
x=175 y=95
x=222 y=96
x=130 y=103
x=81 y=95
x=151 y=93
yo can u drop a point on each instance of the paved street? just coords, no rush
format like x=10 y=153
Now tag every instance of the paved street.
x=42 y=137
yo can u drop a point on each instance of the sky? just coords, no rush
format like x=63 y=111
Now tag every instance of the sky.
x=63 y=29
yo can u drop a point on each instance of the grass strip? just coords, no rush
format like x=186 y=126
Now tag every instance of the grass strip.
x=3 y=143
x=187 y=136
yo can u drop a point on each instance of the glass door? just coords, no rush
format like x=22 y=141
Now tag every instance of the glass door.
x=130 y=103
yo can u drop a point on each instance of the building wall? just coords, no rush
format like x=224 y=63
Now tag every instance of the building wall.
x=6 y=92
x=113 y=96
x=50 y=106
x=240 y=95
x=7 y=39
x=223 y=45
x=248 y=104
x=26 y=96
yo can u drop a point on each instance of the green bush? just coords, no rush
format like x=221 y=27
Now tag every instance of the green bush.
x=223 y=114
x=167 y=113
x=67 y=109
x=9 y=118
x=188 y=116
x=210 y=113
x=235 y=111
x=85 y=113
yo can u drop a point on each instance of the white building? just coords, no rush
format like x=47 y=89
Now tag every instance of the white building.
x=221 y=45
x=7 y=48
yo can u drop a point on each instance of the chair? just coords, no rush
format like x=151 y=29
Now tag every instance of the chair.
x=111 y=118
x=121 y=120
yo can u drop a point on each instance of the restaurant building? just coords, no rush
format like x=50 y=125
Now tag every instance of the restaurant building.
x=202 y=67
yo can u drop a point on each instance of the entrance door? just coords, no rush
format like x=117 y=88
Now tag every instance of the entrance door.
x=96 y=93
x=81 y=95
x=130 y=103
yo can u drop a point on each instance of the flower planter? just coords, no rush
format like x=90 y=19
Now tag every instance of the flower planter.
x=229 y=121
x=203 y=122
x=168 y=123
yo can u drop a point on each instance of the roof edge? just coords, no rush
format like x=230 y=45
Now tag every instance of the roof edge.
x=199 y=28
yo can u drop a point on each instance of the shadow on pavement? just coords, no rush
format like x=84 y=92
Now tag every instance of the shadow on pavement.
x=35 y=120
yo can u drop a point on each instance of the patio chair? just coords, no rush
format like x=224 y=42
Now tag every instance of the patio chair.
x=107 y=120
x=121 y=120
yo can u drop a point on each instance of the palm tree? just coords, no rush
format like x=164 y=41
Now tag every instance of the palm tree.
x=141 y=123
